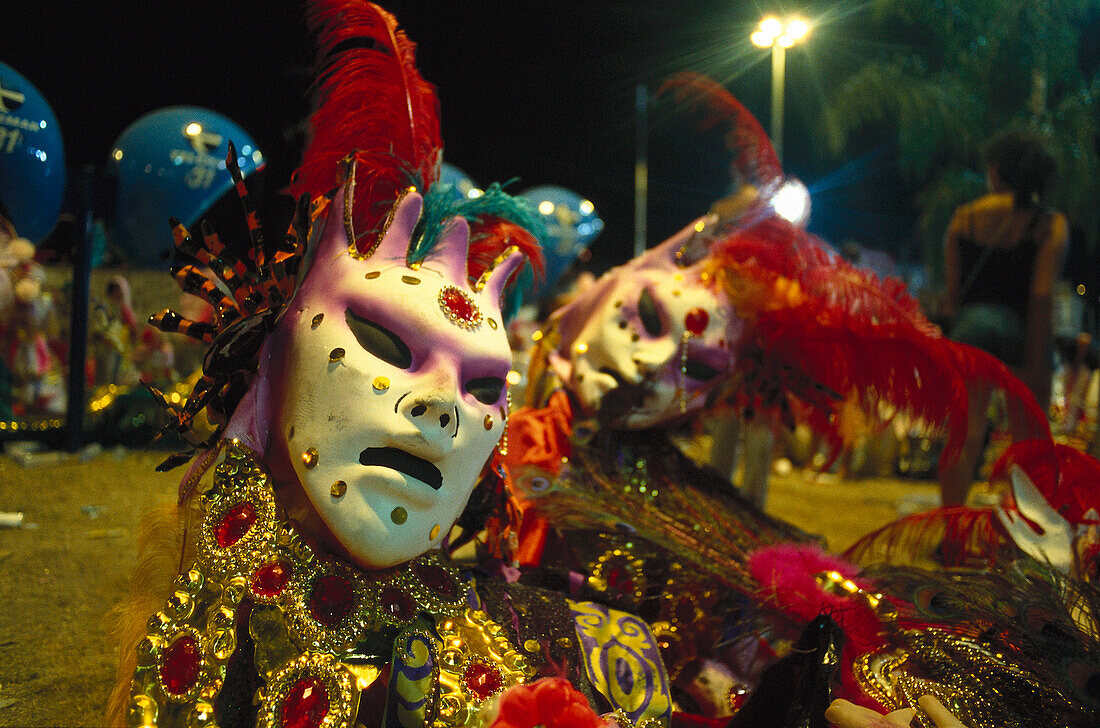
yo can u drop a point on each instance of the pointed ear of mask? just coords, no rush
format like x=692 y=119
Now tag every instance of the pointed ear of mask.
x=451 y=251
x=683 y=249
x=389 y=243
x=496 y=276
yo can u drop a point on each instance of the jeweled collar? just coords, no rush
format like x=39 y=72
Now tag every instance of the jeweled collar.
x=322 y=627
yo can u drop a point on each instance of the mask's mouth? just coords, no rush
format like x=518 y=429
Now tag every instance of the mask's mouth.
x=619 y=402
x=403 y=462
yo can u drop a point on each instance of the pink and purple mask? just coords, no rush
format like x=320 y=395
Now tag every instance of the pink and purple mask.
x=651 y=339
x=384 y=384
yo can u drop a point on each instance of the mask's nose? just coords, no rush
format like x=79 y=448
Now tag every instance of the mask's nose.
x=647 y=358
x=435 y=415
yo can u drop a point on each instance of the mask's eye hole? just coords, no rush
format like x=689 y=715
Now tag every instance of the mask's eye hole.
x=379 y=340
x=648 y=313
x=699 y=371
x=486 y=390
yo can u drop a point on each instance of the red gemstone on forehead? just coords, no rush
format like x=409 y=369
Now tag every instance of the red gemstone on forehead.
x=270 y=579
x=457 y=305
x=437 y=579
x=696 y=321
x=331 y=599
x=483 y=681
x=397 y=604
x=235 y=524
x=306 y=705
x=180 y=669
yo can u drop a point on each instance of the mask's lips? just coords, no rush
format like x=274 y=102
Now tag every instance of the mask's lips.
x=403 y=462
x=620 y=401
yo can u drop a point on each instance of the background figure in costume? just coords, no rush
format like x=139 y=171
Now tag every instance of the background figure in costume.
x=114 y=335
x=28 y=323
x=353 y=425
x=1002 y=255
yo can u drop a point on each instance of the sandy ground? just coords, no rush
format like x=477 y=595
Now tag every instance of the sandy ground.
x=62 y=572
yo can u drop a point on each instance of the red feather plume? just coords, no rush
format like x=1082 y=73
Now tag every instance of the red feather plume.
x=490 y=236
x=754 y=159
x=371 y=102
x=1066 y=477
x=822 y=330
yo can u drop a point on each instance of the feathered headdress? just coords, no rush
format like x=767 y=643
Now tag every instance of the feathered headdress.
x=376 y=128
x=377 y=120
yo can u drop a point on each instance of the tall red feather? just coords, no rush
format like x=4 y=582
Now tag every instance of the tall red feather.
x=371 y=101
x=755 y=160
x=818 y=320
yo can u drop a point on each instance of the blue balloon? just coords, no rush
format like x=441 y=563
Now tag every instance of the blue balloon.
x=171 y=163
x=32 y=157
x=571 y=223
x=458 y=180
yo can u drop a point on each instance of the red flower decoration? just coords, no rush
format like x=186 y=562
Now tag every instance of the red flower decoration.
x=551 y=702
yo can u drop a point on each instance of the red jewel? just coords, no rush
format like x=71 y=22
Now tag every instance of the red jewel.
x=437 y=579
x=397 y=604
x=696 y=321
x=180 y=669
x=459 y=307
x=331 y=599
x=270 y=579
x=483 y=681
x=235 y=524
x=620 y=579
x=306 y=705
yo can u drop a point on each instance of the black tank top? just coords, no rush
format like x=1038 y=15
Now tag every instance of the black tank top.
x=999 y=276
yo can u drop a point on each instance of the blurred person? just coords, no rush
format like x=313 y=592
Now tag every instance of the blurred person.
x=114 y=332
x=1002 y=255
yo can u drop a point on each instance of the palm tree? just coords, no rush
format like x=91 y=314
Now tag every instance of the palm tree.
x=952 y=73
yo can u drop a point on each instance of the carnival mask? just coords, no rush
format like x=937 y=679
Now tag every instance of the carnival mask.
x=650 y=339
x=392 y=390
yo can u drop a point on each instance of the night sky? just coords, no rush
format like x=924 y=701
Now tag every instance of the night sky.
x=540 y=91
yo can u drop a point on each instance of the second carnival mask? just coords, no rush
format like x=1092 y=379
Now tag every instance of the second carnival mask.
x=648 y=342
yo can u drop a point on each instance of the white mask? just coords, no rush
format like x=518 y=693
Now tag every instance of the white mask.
x=649 y=341
x=391 y=386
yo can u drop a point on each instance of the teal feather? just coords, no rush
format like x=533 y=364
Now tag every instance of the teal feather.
x=441 y=203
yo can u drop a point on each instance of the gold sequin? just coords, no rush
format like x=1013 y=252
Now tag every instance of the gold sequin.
x=336 y=355
x=488 y=422
x=411 y=280
x=435 y=532
x=317 y=320
x=373 y=274
x=399 y=515
x=492 y=323
x=338 y=489
x=310 y=458
x=380 y=384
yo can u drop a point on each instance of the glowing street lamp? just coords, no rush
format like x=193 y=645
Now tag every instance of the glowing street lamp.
x=779 y=36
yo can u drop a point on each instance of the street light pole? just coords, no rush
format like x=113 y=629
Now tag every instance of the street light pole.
x=779 y=36
x=779 y=69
